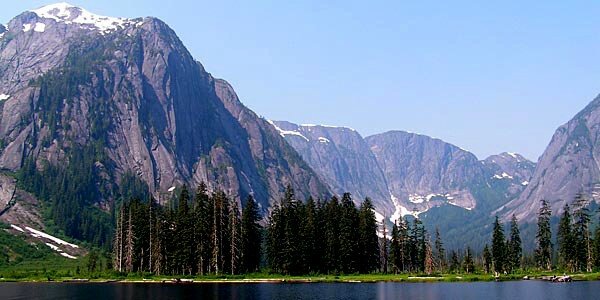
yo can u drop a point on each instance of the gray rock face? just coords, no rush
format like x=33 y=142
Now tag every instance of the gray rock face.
x=568 y=166
x=423 y=172
x=343 y=159
x=134 y=86
x=512 y=169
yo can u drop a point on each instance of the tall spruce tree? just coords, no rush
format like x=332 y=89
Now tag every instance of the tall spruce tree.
x=515 y=249
x=349 y=236
x=454 y=262
x=581 y=234
x=395 y=250
x=367 y=238
x=543 y=252
x=469 y=264
x=251 y=237
x=565 y=240
x=487 y=259
x=498 y=247
x=440 y=252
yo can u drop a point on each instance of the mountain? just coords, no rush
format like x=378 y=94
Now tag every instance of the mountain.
x=406 y=173
x=115 y=101
x=343 y=159
x=424 y=172
x=512 y=168
x=568 y=166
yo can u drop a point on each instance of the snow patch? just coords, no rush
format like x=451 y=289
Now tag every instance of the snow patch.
x=67 y=255
x=401 y=210
x=4 y=97
x=514 y=155
x=17 y=228
x=53 y=247
x=525 y=183
x=324 y=140
x=171 y=189
x=504 y=175
x=26 y=27
x=39 y=234
x=68 y=14
x=457 y=205
x=379 y=217
x=283 y=133
x=39 y=27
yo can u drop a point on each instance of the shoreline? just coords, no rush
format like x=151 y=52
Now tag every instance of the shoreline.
x=302 y=280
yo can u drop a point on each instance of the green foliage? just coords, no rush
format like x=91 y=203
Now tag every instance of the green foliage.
x=498 y=247
x=543 y=252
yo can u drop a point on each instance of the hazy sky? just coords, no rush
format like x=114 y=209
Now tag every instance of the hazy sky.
x=487 y=76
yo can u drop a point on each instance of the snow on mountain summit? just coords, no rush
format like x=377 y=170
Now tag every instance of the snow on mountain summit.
x=69 y=14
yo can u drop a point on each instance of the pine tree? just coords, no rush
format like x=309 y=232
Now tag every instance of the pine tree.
x=395 y=250
x=203 y=225
x=368 y=243
x=129 y=242
x=498 y=247
x=454 y=262
x=514 y=245
x=235 y=247
x=469 y=265
x=383 y=254
x=430 y=264
x=543 y=252
x=251 y=237
x=581 y=234
x=597 y=247
x=349 y=238
x=440 y=252
x=565 y=240
x=332 y=211
x=487 y=259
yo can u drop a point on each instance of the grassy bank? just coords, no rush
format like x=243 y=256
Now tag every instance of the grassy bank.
x=275 y=278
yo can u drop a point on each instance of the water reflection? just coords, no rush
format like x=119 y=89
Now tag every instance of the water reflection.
x=529 y=290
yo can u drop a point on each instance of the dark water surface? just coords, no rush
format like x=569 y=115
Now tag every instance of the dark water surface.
x=528 y=290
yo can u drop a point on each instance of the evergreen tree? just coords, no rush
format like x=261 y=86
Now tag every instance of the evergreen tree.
x=235 y=238
x=395 y=250
x=597 y=247
x=581 y=234
x=543 y=252
x=202 y=229
x=383 y=256
x=454 y=262
x=332 y=233
x=469 y=264
x=440 y=252
x=368 y=243
x=498 y=247
x=349 y=236
x=251 y=237
x=430 y=264
x=487 y=259
x=514 y=245
x=565 y=240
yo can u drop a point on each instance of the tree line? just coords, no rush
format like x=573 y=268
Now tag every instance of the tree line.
x=575 y=248
x=209 y=233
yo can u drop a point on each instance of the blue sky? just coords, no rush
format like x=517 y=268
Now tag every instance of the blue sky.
x=487 y=76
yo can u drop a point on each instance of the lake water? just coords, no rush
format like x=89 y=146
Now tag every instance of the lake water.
x=528 y=290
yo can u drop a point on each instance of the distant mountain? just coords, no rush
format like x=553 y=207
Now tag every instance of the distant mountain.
x=567 y=167
x=343 y=159
x=423 y=172
x=129 y=92
x=406 y=173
